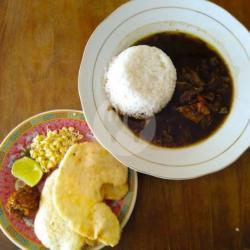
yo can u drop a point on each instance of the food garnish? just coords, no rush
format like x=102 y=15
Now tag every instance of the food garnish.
x=48 y=150
x=27 y=170
x=24 y=202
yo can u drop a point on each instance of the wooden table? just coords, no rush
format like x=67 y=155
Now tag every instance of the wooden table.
x=41 y=45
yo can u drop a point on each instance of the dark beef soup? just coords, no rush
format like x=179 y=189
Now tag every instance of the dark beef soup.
x=202 y=98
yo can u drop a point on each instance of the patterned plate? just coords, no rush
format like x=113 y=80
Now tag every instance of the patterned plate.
x=13 y=147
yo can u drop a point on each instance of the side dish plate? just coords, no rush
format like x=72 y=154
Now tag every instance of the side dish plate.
x=19 y=231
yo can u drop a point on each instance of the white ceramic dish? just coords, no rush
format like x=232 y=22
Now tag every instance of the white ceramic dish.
x=135 y=20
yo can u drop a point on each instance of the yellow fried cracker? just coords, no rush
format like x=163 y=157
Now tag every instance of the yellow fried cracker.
x=78 y=195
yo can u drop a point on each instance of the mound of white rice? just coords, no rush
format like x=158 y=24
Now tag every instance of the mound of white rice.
x=140 y=81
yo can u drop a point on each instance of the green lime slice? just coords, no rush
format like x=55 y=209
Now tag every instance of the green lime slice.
x=27 y=170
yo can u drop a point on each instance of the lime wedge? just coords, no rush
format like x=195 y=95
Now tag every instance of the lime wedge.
x=27 y=170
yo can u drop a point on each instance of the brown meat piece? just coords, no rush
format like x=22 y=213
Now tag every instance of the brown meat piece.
x=192 y=77
x=190 y=113
x=24 y=202
x=210 y=96
x=188 y=96
x=195 y=112
x=182 y=85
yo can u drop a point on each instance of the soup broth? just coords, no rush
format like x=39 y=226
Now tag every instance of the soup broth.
x=202 y=98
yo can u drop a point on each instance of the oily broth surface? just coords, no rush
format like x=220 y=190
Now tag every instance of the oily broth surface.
x=191 y=56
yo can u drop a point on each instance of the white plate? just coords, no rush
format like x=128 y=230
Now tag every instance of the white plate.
x=135 y=20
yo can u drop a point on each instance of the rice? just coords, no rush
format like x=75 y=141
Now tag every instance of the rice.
x=140 y=81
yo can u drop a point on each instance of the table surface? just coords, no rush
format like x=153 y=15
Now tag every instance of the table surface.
x=41 y=45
